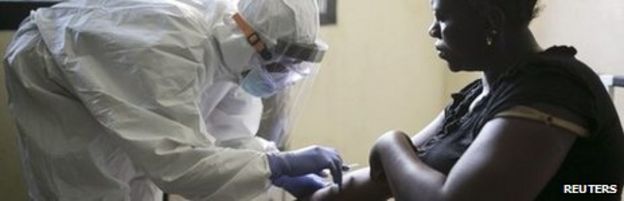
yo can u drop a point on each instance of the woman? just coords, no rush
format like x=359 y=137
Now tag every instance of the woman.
x=539 y=125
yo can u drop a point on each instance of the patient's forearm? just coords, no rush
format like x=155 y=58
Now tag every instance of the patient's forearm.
x=408 y=177
x=355 y=186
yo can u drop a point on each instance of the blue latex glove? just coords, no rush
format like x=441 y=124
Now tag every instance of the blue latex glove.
x=301 y=186
x=304 y=161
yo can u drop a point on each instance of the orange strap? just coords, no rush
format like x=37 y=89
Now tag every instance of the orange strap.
x=252 y=36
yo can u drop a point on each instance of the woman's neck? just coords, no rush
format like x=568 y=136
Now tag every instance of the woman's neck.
x=514 y=46
x=484 y=92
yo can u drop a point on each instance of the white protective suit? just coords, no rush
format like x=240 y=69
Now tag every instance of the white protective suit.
x=114 y=99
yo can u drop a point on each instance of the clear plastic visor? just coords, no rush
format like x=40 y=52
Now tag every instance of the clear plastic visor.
x=289 y=70
x=295 y=60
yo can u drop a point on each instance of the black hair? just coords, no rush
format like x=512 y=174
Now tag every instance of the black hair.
x=517 y=12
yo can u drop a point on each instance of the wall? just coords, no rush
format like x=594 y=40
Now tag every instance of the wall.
x=381 y=73
x=11 y=184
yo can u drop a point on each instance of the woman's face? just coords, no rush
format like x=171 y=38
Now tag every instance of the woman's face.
x=460 y=34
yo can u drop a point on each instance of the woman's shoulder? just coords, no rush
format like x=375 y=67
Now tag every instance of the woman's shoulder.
x=555 y=78
x=555 y=61
x=555 y=69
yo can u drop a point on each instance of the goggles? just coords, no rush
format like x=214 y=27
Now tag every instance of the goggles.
x=266 y=78
x=283 y=56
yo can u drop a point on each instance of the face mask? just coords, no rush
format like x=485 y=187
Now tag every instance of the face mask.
x=260 y=83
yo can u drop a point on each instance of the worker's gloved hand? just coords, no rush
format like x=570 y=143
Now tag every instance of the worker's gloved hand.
x=309 y=160
x=301 y=186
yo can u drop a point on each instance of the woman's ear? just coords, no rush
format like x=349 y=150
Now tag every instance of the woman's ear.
x=495 y=18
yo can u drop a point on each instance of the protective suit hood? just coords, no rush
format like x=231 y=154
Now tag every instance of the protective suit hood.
x=291 y=20
x=235 y=52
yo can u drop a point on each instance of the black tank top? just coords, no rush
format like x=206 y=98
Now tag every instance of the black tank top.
x=553 y=77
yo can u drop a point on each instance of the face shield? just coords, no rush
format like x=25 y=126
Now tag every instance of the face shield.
x=281 y=111
x=287 y=78
x=281 y=72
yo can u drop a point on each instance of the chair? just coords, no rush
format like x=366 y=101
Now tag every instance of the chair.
x=612 y=81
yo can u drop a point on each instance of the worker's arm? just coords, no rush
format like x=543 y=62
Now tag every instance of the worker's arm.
x=511 y=159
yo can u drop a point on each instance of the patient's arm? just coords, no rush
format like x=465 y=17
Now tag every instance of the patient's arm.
x=358 y=186
x=355 y=186
x=429 y=130
x=511 y=159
